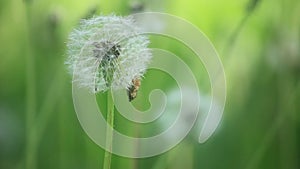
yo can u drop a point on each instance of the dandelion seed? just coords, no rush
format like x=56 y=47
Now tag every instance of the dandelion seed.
x=107 y=52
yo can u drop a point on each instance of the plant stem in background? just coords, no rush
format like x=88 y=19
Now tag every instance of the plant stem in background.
x=251 y=6
x=109 y=131
x=30 y=148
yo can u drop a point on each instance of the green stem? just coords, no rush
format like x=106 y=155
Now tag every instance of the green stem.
x=30 y=147
x=109 y=131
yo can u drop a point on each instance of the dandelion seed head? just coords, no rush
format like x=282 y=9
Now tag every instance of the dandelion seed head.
x=107 y=52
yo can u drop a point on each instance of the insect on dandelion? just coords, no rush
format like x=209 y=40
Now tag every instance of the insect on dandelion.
x=108 y=52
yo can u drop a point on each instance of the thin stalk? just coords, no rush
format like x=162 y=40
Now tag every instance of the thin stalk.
x=30 y=147
x=251 y=7
x=109 y=131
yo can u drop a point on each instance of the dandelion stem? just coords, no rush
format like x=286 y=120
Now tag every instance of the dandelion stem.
x=109 y=131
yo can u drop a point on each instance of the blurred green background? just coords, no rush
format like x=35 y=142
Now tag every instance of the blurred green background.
x=259 y=45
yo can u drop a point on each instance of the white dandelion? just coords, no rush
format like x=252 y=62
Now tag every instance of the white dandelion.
x=107 y=52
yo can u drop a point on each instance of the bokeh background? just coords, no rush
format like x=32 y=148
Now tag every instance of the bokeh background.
x=259 y=45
